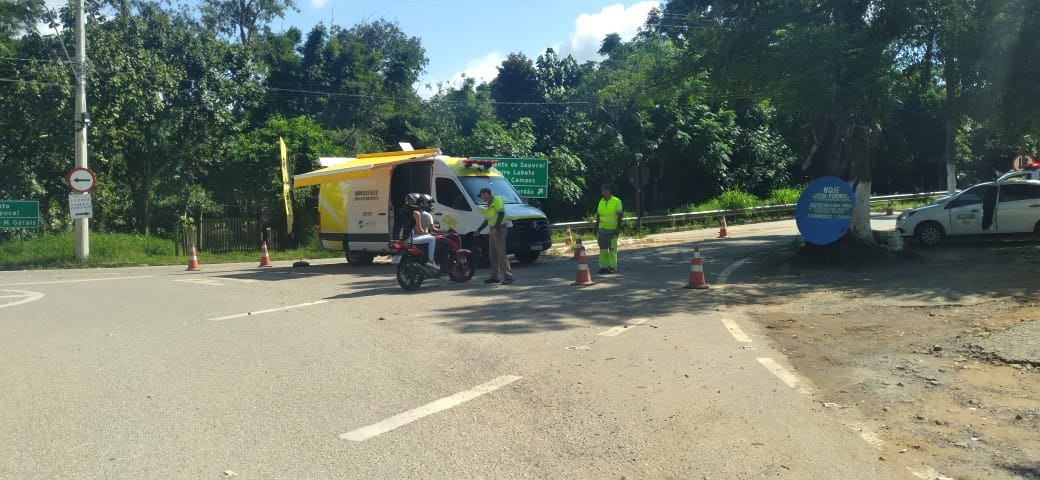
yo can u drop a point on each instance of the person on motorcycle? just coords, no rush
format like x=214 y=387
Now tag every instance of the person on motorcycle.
x=422 y=221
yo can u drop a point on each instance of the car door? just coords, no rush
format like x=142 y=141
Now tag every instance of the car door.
x=1018 y=210
x=453 y=210
x=966 y=211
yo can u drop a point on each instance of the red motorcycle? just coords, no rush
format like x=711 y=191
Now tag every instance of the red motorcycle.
x=453 y=261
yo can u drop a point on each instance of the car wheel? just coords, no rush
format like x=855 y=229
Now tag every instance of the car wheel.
x=359 y=259
x=929 y=233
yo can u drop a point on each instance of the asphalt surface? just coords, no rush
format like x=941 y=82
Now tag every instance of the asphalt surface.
x=333 y=371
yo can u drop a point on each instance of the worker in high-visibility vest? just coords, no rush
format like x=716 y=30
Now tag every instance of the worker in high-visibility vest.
x=608 y=225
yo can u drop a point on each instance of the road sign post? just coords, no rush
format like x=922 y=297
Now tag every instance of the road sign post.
x=19 y=214
x=529 y=176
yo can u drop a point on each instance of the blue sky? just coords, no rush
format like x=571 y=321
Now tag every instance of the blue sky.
x=474 y=36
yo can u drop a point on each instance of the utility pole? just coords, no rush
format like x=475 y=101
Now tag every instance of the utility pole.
x=81 y=122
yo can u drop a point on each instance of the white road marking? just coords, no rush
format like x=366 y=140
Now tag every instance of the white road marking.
x=269 y=310
x=724 y=276
x=104 y=279
x=618 y=330
x=783 y=374
x=200 y=281
x=735 y=330
x=928 y=473
x=26 y=297
x=400 y=420
x=866 y=434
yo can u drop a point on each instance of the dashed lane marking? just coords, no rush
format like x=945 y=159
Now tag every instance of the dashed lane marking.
x=200 y=281
x=400 y=420
x=735 y=330
x=618 y=330
x=790 y=379
x=270 y=310
x=81 y=280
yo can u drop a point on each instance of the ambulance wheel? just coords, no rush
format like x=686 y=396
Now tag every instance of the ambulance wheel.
x=359 y=259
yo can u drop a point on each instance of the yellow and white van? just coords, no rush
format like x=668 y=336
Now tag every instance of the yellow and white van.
x=361 y=200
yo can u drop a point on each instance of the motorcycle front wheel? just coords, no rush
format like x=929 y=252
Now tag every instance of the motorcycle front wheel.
x=462 y=269
x=410 y=274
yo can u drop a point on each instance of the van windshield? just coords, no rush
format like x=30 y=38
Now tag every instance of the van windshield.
x=498 y=185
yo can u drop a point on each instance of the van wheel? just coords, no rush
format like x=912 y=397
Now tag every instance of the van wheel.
x=527 y=258
x=360 y=259
x=929 y=233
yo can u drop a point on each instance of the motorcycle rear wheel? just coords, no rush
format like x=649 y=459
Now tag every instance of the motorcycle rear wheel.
x=462 y=269
x=410 y=274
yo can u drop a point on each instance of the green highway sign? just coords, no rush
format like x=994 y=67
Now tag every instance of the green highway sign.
x=19 y=214
x=529 y=176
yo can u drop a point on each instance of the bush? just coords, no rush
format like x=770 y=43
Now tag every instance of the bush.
x=737 y=200
x=784 y=196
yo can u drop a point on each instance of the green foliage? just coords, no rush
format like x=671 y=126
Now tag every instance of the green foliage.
x=722 y=102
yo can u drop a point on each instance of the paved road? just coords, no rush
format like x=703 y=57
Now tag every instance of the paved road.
x=333 y=372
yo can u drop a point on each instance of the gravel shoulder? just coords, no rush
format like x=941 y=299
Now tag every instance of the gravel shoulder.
x=938 y=348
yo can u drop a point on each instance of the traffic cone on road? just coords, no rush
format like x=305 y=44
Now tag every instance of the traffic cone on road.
x=697 y=271
x=584 y=276
x=722 y=231
x=889 y=211
x=578 y=248
x=265 y=258
x=193 y=261
x=570 y=238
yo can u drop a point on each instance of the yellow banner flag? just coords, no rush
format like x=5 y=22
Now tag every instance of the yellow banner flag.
x=285 y=186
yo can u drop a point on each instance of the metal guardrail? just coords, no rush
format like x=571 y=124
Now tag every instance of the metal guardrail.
x=679 y=217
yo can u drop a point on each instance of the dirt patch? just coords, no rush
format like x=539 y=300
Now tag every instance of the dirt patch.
x=920 y=349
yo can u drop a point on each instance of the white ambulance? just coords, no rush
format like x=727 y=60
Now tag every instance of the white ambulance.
x=361 y=201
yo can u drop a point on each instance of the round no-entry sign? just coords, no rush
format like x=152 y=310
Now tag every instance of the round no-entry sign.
x=81 y=180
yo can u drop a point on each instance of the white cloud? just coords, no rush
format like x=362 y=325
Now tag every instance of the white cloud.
x=483 y=69
x=319 y=3
x=592 y=28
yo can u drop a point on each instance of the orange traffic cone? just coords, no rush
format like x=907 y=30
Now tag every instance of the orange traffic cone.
x=193 y=261
x=584 y=276
x=570 y=238
x=578 y=248
x=265 y=258
x=722 y=231
x=888 y=211
x=697 y=271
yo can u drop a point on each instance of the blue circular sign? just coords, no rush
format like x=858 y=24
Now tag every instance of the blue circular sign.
x=824 y=210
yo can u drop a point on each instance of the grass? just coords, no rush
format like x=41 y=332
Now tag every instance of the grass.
x=121 y=250
x=899 y=205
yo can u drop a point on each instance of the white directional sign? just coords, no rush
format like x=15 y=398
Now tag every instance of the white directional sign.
x=80 y=206
x=81 y=180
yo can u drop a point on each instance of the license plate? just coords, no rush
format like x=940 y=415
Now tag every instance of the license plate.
x=536 y=248
x=396 y=260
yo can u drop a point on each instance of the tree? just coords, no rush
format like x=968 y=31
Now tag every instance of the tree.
x=243 y=18
x=515 y=88
x=827 y=64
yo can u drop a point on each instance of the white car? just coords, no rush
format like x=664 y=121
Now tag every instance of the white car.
x=1002 y=207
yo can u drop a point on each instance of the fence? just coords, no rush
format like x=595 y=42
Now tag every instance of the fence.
x=774 y=209
x=220 y=235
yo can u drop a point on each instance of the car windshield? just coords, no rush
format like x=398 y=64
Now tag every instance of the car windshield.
x=498 y=185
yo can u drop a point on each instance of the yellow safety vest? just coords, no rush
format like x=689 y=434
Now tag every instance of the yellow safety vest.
x=608 y=213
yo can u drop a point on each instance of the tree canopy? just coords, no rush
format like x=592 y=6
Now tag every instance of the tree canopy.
x=188 y=102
